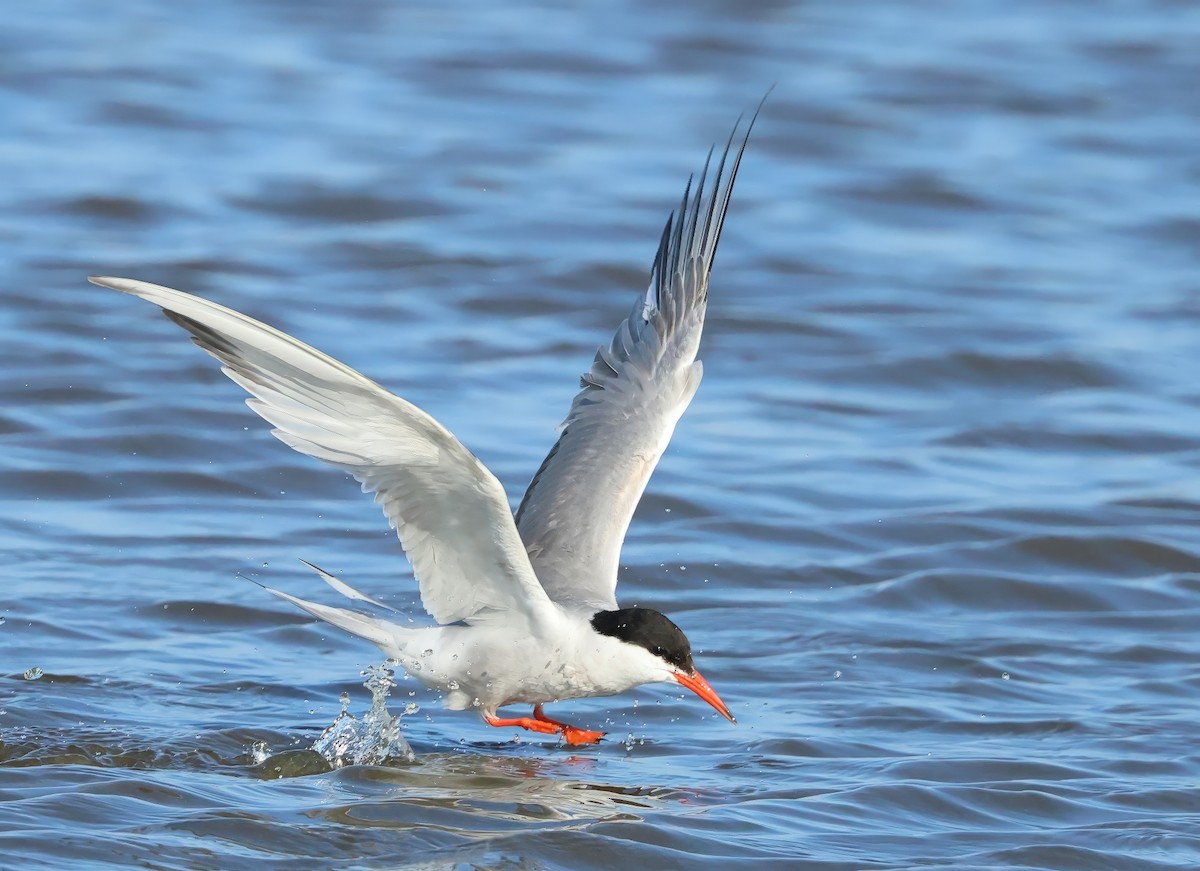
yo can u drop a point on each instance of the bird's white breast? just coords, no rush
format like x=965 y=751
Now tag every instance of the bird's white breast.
x=486 y=667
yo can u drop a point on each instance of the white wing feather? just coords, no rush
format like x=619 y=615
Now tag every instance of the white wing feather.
x=450 y=512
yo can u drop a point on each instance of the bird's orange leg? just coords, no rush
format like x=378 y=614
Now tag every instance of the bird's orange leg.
x=540 y=723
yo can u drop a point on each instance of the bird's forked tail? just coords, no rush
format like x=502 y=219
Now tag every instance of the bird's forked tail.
x=383 y=633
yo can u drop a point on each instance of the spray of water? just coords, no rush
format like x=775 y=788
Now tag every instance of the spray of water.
x=374 y=739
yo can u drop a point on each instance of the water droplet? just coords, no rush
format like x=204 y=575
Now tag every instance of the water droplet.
x=259 y=751
x=265 y=565
x=454 y=657
x=344 y=701
x=453 y=685
x=411 y=708
x=416 y=666
x=837 y=674
x=34 y=673
x=427 y=652
x=476 y=702
x=1004 y=676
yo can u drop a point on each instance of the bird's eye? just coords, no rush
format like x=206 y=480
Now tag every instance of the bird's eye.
x=659 y=651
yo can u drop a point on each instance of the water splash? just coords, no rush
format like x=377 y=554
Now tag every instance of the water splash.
x=376 y=738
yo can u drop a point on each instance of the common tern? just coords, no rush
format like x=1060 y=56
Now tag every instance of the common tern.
x=525 y=604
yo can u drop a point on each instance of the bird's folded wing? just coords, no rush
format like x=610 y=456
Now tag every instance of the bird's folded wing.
x=578 y=507
x=450 y=512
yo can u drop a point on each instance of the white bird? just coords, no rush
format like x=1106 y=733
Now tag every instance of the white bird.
x=526 y=606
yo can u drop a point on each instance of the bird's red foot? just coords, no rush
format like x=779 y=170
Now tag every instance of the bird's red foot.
x=539 y=722
x=571 y=734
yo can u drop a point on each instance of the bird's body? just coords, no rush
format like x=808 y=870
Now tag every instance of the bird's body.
x=526 y=605
x=488 y=667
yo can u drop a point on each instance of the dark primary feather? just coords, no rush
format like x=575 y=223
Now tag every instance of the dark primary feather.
x=667 y=260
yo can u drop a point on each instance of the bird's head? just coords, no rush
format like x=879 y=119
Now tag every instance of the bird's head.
x=662 y=650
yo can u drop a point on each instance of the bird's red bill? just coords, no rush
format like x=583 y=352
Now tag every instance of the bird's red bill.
x=697 y=684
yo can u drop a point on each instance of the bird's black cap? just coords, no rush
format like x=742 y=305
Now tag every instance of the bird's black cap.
x=650 y=629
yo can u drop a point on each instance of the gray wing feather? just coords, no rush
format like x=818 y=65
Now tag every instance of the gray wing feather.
x=450 y=512
x=577 y=509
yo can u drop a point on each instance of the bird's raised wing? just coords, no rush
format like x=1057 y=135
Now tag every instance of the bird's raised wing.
x=450 y=512
x=578 y=507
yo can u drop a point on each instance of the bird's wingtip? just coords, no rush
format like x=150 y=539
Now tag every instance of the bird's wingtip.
x=125 y=285
x=257 y=583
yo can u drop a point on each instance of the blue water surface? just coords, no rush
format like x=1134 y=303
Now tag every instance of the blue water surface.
x=931 y=521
